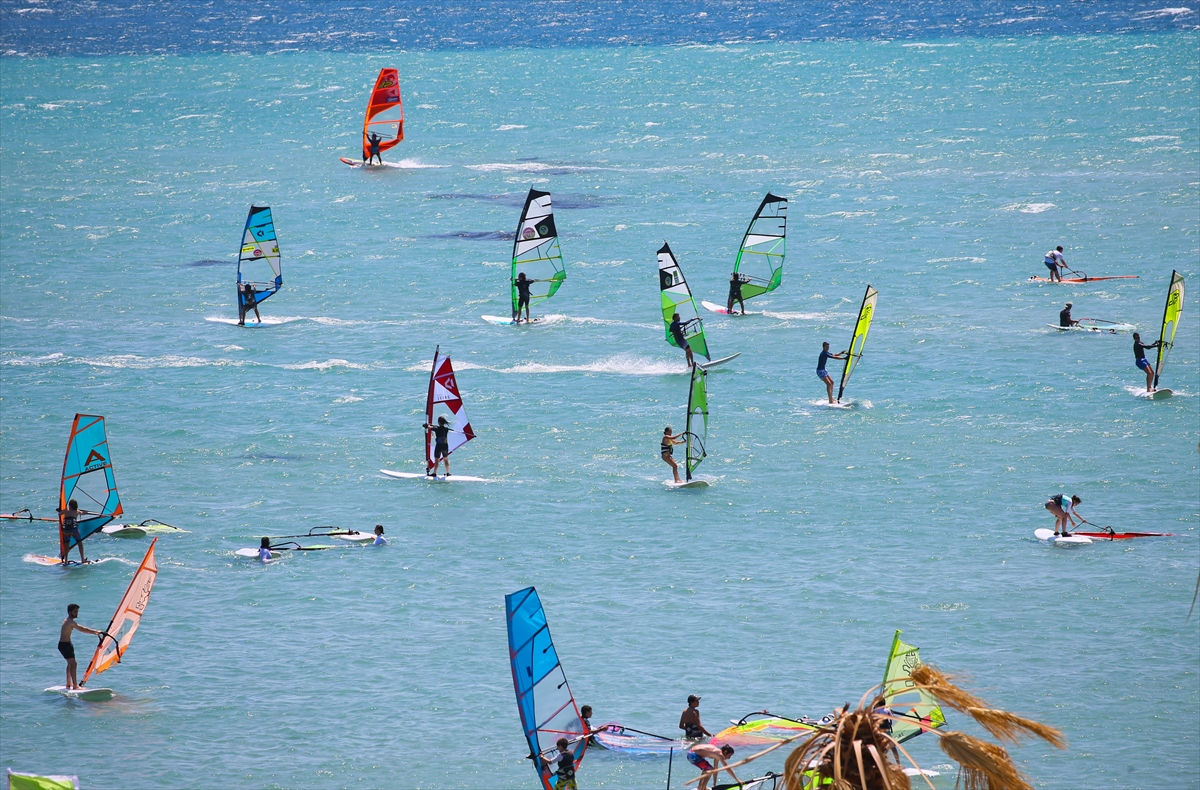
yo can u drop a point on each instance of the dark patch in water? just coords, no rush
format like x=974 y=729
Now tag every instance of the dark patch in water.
x=269 y=457
x=210 y=263
x=559 y=200
x=475 y=235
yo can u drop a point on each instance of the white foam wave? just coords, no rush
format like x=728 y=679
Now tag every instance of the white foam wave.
x=967 y=259
x=1158 y=13
x=413 y=164
x=185 y=117
x=509 y=127
x=328 y=364
x=794 y=316
x=1152 y=138
x=344 y=198
x=527 y=167
x=347 y=399
x=620 y=365
x=1028 y=208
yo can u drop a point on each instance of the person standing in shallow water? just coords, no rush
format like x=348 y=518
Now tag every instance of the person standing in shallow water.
x=67 y=648
x=689 y=720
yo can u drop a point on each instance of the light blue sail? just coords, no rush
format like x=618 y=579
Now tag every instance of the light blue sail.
x=88 y=478
x=259 y=261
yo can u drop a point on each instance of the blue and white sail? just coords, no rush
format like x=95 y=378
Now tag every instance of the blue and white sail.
x=259 y=261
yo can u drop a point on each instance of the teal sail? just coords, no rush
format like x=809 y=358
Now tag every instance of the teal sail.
x=87 y=478
x=259 y=262
x=677 y=298
x=697 y=419
x=548 y=710
x=760 y=258
x=536 y=253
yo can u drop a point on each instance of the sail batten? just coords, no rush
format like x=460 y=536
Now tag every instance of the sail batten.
x=760 y=256
x=536 y=251
x=259 y=262
x=116 y=638
x=863 y=325
x=443 y=390
x=903 y=698
x=1170 y=322
x=385 y=113
x=88 y=478
x=677 y=298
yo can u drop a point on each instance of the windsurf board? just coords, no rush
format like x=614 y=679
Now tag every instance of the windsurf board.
x=87 y=694
x=722 y=361
x=716 y=308
x=124 y=531
x=1072 y=540
x=252 y=553
x=697 y=483
x=502 y=321
x=438 y=479
x=357 y=537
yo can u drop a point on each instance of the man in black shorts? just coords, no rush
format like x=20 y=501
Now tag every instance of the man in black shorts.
x=522 y=285
x=735 y=293
x=247 y=301
x=441 y=445
x=64 y=642
x=374 y=140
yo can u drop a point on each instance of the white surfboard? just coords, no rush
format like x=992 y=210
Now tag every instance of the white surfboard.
x=716 y=308
x=722 y=361
x=507 y=321
x=1068 y=542
x=697 y=483
x=88 y=694
x=1102 y=330
x=358 y=163
x=1161 y=394
x=124 y=531
x=439 y=479
x=251 y=323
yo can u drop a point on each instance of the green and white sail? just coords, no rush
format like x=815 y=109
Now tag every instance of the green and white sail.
x=536 y=251
x=903 y=699
x=677 y=298
x=859 y=339
x=697 y=419
x=760 y=258
x=1166 y=338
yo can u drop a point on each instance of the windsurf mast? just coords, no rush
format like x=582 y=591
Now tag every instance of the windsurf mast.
x=125 y=621
x=259 y=262
x=677 y=298
x=87 y=477
x=544 y=700
x=903 y=699
x=865 y=313
x=697 y=419
x=443 y=389
x=385 y=113
x=536 y=252
x=761 y=255
x=1170 y=322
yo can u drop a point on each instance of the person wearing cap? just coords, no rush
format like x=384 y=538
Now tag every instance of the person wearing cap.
x=1055 y=261
x=689 y=720
x=706 y=757
x=1064 y=317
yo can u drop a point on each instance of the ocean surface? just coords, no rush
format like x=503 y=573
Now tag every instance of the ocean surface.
x=937 y=168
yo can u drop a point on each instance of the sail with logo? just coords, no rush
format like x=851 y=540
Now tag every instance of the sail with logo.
x=537 y=270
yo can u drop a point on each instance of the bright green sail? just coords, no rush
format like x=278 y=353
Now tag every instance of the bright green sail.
x=1170 y=322
x=677 y=298
x=904 y=700
x=536 y=252
x=859 y=339
x=697 y=419
x=760 y=258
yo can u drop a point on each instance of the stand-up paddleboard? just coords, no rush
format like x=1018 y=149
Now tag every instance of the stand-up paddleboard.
x=501 y=321
x=384 y=118
x=696 y=483
x=1077 y=280
x=86 y=694
x=439 y=479
x=1047 y=535
x=716 y=308
x=1105 y=328
x=715 y=362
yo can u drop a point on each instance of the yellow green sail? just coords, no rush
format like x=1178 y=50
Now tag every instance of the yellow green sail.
x=760 y=258
x=903 y=699
x=677 y=298
x=1170 y=322
x=697 y=419
x=859 y=339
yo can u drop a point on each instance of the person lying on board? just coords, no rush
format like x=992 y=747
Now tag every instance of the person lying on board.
x=247 y=302
x=373 y=140
x=668 y=450
x=823 y=374
x=1062 y=507
x=70 y=529
x=441 y=445
x=561 y=765
x=676 y=329
x=1055 y=261
x=1064 y=317
x=1139 y=356
x=705 y=756
x=67 y=648
x=689 y=720
x=735 y=292
x=380 y=540
x=522 y=285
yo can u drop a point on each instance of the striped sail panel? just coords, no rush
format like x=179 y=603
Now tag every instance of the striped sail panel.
x=677 y=298
x=760 y=258
x=536 y=251
x=88 y=478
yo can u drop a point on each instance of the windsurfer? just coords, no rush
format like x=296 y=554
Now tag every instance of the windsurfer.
x=561 y=765
x=522 y=285
x=689 y=720
x=1062 y=507
x=1139 y=355
x=247 y=302
x=380 y=540
x=823 y=374
x=373 y=140
x=1064 y=317
x=676 y=329
x=441 y=445
x=668 y=453
x=735 y=293
x=70 y=529
x=700 y=756
x=64 y=642
x=1055 y=261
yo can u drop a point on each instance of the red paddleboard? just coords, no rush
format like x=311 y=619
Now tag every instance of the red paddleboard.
x=1083 y=279
x=1123 y=535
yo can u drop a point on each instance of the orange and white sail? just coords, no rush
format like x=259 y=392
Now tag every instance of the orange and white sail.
x=128 y=617
x=385 y=113
x=443 y=391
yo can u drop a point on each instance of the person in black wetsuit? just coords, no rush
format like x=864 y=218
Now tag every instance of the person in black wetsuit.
x=676 y=329
x=735 y=293
x=247 y=301
x=1064 y=317
x=522 y=285
x=1139 y=356
x=668 y=450
x=373 y=140
x=823 y=374
x=441 y=445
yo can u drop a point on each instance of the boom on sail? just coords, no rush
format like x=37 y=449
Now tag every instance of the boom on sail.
x=443 y=391
x=760 y=258
x=536 y=252
x=87 y=478
x=259 y=261
x=865 y=313
x=125 y=621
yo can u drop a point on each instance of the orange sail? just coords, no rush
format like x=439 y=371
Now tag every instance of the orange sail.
x=385 y=113
x=128 y=617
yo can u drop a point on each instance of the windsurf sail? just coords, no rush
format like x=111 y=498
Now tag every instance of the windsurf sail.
x=760 y=258
x=259 y=263
x=859 y=339
x=536 y=253
x=87 y=477
x=697 y=419
x=385 y=113
x=1170 y=322
x=548 y=710
x=443 y=389
x=677 y=298
x=905 y=701
x=758 y=729
x=116 y=638
x=617 y=738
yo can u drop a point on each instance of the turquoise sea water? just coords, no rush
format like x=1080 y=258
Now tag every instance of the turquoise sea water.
x=937 y=171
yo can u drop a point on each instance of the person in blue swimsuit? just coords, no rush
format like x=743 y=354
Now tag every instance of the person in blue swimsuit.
x=823 y=374
x=1139 y=356
x=248 y=300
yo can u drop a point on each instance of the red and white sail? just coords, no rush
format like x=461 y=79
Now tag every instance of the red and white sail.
x=445 y=400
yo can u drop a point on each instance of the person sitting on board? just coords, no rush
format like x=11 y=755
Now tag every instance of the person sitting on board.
x=374 y=141
x=380 y=540
x=700 y=756
x=823 y=374
x=522 y=285
x=1064 y=317
x=264 y=549
x=247 y=302
x=67 y=648
x=689 y=720
x=668 y=450
x=561 y=765
x=735 y=293
x=1055 y=261
x=1062 y=507
x=441 y=445
x=676 y=329
x=1139 y=355
x=70 y=529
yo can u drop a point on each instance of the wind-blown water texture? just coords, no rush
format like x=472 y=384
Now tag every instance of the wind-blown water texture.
x=938 y=171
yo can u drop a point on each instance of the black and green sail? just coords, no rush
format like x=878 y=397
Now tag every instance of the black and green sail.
x=760 y=258
x=677 y=298
x=536 y=251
